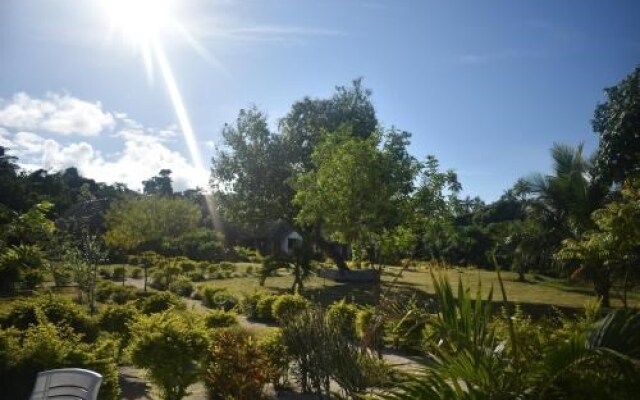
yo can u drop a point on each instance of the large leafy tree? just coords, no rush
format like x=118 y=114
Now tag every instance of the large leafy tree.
x=613 y=248
x=617 y=123
x=309 y=119
x=359 y=190
x=141 y=223
x=159 y=185
x=250 y=174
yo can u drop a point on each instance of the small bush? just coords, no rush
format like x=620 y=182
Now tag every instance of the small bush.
x=59 y=311
x=159 y=302
x=196 y=276
x=288 y=306
x=217 y=298
x=220 y=319
x=188 y=266
x=182 y=287
x=104 y=290
x=236 y=368
x=249 y=270
x=264 y=307
x=369 y=331
x=136 y=273
x=123 y=294
x=171 y=347
x=249 y=304
x=106 y=272
x=342 y=316
x=158 y=280
x=118 y=273
x=48 y=346
x=278 y=359
x=228 y=267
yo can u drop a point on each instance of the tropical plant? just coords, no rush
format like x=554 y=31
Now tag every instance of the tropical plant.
x=171 y=346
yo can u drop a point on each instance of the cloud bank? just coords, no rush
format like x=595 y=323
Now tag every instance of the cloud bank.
x=41 y=133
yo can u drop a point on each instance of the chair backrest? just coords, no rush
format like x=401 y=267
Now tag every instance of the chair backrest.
x=67 y=384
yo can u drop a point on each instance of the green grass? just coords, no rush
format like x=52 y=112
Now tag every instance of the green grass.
x=536 y=291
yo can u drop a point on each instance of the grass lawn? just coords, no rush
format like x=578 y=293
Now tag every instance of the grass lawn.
x=535 y=292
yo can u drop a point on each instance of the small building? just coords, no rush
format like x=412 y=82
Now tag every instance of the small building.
x=277 y=237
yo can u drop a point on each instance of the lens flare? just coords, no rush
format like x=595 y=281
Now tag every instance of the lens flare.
x=141 y=22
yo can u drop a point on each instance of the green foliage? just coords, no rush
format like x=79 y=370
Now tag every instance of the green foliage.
x=278 y=359
x=612 y=248
x=264 y=307
x=250 y=176
x=46 y=308
x=144 y=222
x=159 y=302
x=182 y=286
x=171 y=347
x=136 y=273
x=48 y=346
x=119 y=273
x=217 y=298
x=370 y=329
x=197 y=244
x=118 y=319
x=249 y=304
x=288 y=306
x=321 y=353
x=479 y=357
x=342 y=316
x=616 y=122
x=23 y=264
x=220 y=319
x=236 y=367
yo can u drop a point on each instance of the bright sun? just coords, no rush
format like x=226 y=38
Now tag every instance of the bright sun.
x=140 y=21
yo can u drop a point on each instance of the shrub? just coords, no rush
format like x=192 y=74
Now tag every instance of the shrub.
x=158 y=280
x=171 y=347
x=249 y=304
x=288 y=306
x=104 y=289
x=369 y=330
x=47 y=346
x=220 y=319
x=196 y=276
x=264 y=307
x=136 y=273
x=182 y=287
x=117 y=319
x=42 y=309
x=236 y=368
x=278 y=359
x=226 y=266
x=106 y=272
x=123 y=294
x=249 y=270
x=217 y=298
x=188 y=265
x=159 y=302
x=342 y=316
x=119 y=273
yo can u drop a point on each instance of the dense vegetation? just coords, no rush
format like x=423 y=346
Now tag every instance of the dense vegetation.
x=98 y=276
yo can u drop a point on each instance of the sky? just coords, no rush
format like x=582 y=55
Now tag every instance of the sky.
x=485 y=86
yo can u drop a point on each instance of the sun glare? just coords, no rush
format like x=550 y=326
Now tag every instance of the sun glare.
x=140 y=21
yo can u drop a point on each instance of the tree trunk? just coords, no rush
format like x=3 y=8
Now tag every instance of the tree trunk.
x=602 y=291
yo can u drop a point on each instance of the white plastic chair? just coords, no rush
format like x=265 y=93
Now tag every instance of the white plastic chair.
x=67 y=384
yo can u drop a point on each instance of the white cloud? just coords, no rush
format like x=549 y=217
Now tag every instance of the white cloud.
x=139 y=153
x=61 y=114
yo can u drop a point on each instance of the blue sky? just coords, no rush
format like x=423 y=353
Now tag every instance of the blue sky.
x=486 y=86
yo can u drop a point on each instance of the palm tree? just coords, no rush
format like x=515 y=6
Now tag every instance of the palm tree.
x=565 y=199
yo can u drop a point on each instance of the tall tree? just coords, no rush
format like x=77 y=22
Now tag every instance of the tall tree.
x=250 y=174
x=309 y=119
x=617 y=123
x=142 y=223
x=160 y=184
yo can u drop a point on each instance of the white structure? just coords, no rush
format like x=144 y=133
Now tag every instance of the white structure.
x=67 y=383
x=291 y=240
